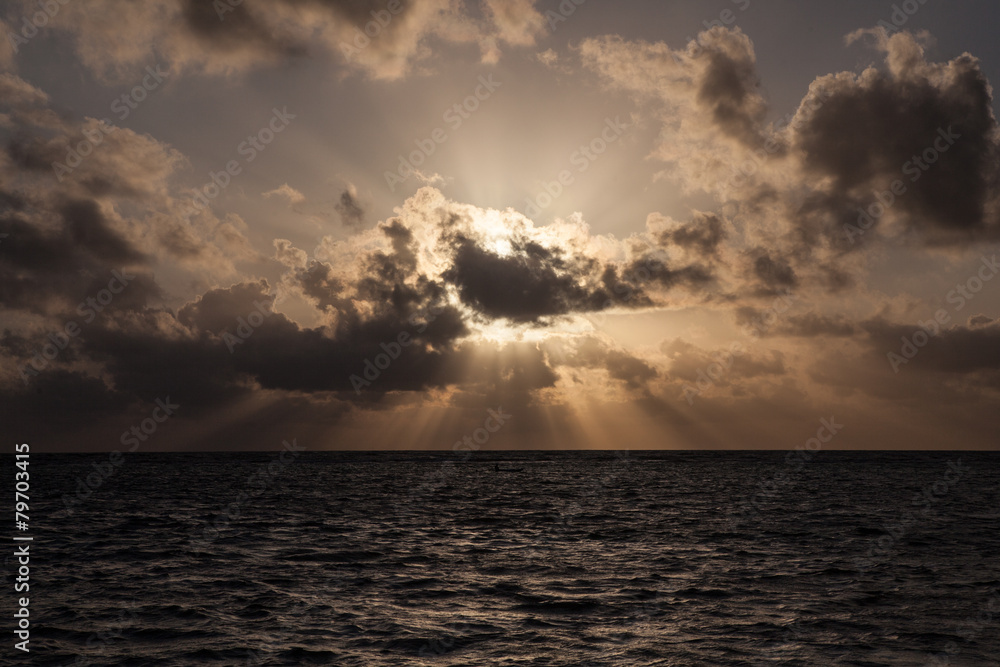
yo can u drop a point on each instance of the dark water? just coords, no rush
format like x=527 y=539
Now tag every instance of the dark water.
x=642 y=559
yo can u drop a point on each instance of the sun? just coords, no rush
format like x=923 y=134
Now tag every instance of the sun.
x=496 y=232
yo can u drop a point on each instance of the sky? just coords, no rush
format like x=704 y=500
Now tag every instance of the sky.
x=499 y=224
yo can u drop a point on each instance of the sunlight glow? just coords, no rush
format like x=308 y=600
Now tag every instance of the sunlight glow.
x=502 y=331
x=497 y=234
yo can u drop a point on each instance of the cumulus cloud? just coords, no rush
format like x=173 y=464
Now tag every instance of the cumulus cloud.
x=289 y=255
x=71 y=182
x=810 y=205
x=504 y=267
x=803 y=186
x=928 y=126
x=434 y=274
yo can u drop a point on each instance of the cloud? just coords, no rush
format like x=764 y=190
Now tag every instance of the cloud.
x=516 y=22
x=526 y=278
x=803 y=185
x=702 y=235
x=935 y=394
x=774 y=274
x=81 y=200
x=434 y=273
x=689 y=363
x=289 y=255
x=199 y=322
x=807 y=325
x=288 y=193
x=532 y=282
x=430 y=179
x=592 y=352
x=707 y=94
x=72 y=399
x=929 y=126
x=71 y=184
x=349 y=209
x=114 y=37
x=19 y=94
x=548 y=57
x=959 y=350
x=49 y=267
x=7 y=53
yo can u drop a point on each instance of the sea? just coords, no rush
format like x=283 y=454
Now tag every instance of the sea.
x=509 y=558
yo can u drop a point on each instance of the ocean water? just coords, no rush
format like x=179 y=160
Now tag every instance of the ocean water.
x=709 y=558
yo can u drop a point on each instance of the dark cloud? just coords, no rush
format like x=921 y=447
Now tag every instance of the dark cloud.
x=909 y=376
x=388 y=298
x=64 y=398
x=729 y=87
x=874 y=129
x=319 y=284
x=180 y=240
x=694 y=276
x=356 y=11
x=32 y=154
x=12 y=202
x=236 y=30
x=50 y=268
x=634 y=372
x=692 y=364
x=712 y=106
x=958 y=350
x=217 y=310
x=530 y=283
x=812 y=325
x=592 y=352
x=775 y=274
x=500 y=373
x=703 y=234
x=351 y=213
x=87 y=230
